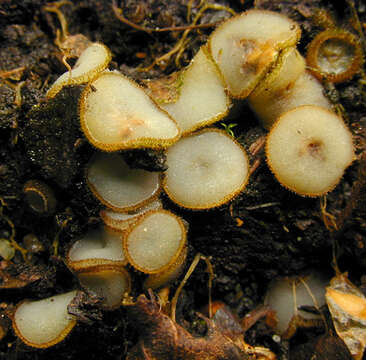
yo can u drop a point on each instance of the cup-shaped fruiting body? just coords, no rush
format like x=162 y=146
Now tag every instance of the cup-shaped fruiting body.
x=93 y=60
x=306 y=90
x=205 y=170
x=247 y=45
x=121 y=221
x=276 y=85
x=97 y=247
x=116 y=113
x=286 y=295
x=118 y=186
x=155 y=242
x=111 y=283
x=288 y=68
x=335 y=55
x=163 y=278
x=39 y=197
x=308 y=150
x=44 y=323
x=202 y=99
x=7 y=251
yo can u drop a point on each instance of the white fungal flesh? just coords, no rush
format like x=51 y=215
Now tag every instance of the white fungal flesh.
x=7 y=251
x=122 y=221
x=202 y=100
x=308 y=150
x=306 y=90
x=205 y=170
x=94 y=59
x=155 y=242
x=290 y=66
x=280 y=298
x=116 y=113
x=245 y=47
x=335 y=56
x=118 y=186
x=98 y=246
x=44 y=322
x=108 y=283
x=155 y=281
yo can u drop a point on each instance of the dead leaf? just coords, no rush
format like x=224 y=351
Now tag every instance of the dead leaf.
x=347 y=306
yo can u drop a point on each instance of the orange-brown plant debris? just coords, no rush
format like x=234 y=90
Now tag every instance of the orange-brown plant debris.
x=163 y=339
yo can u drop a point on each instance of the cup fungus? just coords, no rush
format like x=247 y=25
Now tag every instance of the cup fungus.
x=155 y=281
x=123 y=220
x=39 y=197
x=205 y=170
x=335 y=55
x=202 y=99
x=286 y=295
x=7 y=251
x=271 y=97
x=155 y=242
x=116 y=114
x=247 y=45
x=118 y=186
x=93 y=60
x=109 y=282
x=288 y=68
x=98 y=247
x=306 y=90
x=308 y=150
x=44 y=323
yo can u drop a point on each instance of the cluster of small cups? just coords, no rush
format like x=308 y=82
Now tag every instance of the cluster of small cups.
x=252 y=55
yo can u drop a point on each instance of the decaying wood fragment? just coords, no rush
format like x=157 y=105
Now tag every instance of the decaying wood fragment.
x=163 y=339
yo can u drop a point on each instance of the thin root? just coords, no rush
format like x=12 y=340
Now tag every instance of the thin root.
x=195 y=262
x=182 y=43
x=55 y=8
x=329 y=220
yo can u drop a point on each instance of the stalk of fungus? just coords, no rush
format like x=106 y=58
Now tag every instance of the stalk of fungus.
x=335 y=55
x=155 y=242
x=116 y=114
x=44 y=323
x=308 y=150
x=202 y=99
x=205 y=170
x=93 y=60
x=97 y=247
x=109 y=282
x=246 y=46
x=119 y=187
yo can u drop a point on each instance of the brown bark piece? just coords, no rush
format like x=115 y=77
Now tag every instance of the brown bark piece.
x=163 y=339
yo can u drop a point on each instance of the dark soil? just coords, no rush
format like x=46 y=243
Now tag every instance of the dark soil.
x=280 y=234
